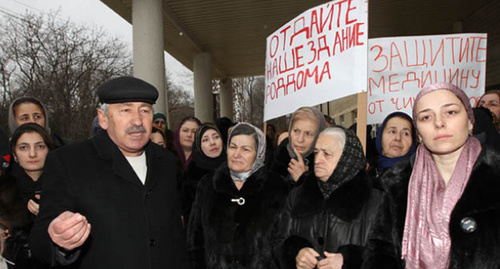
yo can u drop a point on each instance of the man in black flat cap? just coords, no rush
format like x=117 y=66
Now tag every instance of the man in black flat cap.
x=111 y=201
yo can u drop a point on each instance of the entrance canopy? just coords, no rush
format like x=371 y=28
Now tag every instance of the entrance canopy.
x=234 y=32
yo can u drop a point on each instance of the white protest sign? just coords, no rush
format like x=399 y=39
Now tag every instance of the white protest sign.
x=319 y=56
x=399 y=67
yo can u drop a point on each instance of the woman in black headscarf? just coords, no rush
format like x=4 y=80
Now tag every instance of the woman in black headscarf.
x=208 y=155
x=326 y=218
x=236 y=207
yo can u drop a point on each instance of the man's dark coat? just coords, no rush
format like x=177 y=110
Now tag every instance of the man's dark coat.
x=132 y=225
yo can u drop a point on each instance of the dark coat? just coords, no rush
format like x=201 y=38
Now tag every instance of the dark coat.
x=15 y=217
x=480 y=201
x=27 y=187
x=59 y=141
x=280 y=159
x=224 y=234
x=192 y=178
x=17 y=243
x=339 y=224
x=133 y=225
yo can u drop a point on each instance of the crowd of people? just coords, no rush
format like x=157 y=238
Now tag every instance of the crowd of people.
x=226 y=195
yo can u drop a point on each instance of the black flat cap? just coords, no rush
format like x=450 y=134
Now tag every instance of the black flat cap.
x=126 y=89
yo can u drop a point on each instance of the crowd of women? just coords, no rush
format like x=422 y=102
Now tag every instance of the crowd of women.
x=430 y=200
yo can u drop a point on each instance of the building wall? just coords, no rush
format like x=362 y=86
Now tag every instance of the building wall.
x=487 y=20
x=343 y=110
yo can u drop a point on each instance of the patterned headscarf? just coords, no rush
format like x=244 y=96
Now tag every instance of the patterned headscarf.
x=260 y=149
x=350 y=163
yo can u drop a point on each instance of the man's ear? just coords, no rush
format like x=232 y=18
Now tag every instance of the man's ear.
x=103 y=119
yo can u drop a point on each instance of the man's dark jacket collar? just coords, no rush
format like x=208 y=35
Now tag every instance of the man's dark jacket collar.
x=109 y=151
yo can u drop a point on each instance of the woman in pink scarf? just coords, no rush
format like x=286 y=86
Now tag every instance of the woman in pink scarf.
x=441 y=207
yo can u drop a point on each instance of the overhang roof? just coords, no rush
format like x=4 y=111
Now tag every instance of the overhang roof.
x=235 y=32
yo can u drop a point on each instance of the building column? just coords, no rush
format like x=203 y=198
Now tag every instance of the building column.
x=203 y=101
x=149 y=63
x=226 y=98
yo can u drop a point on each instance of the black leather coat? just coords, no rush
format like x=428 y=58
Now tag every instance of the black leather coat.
x=339 y=224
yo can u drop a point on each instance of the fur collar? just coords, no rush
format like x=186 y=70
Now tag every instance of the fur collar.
x=483 y=189
x=224 y=184
x=345 y=202
x=481 y=193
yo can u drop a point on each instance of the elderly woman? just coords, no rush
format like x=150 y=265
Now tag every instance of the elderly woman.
x=294 y=155
x=235 y=208
x=441 y=210
x=208 y=155
x=326 y=219
x=396 y=140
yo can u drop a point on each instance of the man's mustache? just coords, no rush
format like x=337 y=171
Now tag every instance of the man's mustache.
x=135 y=129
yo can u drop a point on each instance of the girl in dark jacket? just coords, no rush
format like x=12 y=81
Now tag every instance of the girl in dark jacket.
x=208 y=155
x=236 y=208
x=442 y=209
x=30 y=145
x=327 y=217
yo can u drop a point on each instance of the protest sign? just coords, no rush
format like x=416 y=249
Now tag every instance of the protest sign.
x=398 y=68
x=319 y=56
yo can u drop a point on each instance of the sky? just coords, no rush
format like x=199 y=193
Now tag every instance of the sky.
x=94 y=12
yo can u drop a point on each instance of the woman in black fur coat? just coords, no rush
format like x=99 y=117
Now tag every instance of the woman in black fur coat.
x=327 y=218
x=441 y=208
x=237 y=207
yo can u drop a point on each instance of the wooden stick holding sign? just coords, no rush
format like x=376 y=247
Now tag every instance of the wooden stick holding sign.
x=361 y=124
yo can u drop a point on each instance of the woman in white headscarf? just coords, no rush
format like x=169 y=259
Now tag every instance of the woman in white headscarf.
x=236 y=207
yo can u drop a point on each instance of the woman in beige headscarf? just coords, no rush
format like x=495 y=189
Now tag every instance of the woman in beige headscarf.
x=294 y=155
